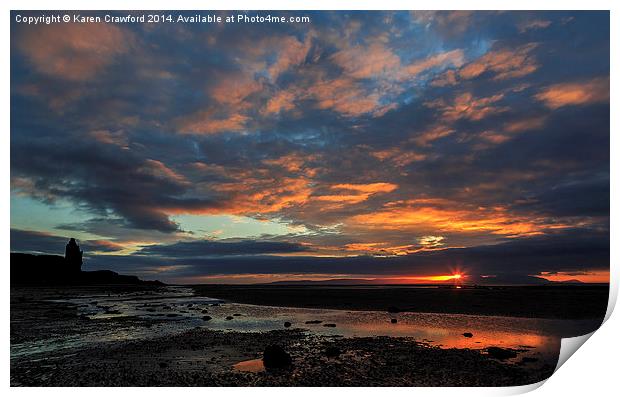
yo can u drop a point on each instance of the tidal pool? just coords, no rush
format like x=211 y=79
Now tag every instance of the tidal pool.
x=177 y=309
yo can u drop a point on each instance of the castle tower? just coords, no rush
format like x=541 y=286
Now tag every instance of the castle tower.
x=73 y=255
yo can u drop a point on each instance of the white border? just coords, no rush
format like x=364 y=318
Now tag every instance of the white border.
x=593 y=371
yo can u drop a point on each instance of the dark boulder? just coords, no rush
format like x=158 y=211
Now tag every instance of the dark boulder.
x=229 y=318
x=468 y=334
x=501 y=354
x=393 y=321
x=287 y=324
x=330 y=325
x=332 y=351
x=275 y=356
x=207 y=318
x=314 y=322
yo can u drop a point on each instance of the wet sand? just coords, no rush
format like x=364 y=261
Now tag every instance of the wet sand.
x=206 y=358
x=562 y=302
x=128 y=336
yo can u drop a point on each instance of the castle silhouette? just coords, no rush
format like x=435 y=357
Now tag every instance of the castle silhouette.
x=73 y=255
x=57 y=270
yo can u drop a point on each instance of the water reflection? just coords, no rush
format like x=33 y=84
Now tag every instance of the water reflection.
x=177 y=310
x=255 y=365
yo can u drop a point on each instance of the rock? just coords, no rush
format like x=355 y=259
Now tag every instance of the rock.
x=229 y=318
x=330 y=325
x=237 y=314
x=287 y=324
x=468 y=334
x=172 y=315
x=314 y=322
x=393 y=309
x=275 y=356
x=393 y=321
x=207 y=318
x=501 y=354
x=205 y=312
x=332 y=351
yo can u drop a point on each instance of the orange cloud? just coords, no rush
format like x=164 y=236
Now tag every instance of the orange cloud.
x=117 y=138
x=510 y=130
x=572 y=94
x=234 y=89
x=380 y=249
x=431 y=241
x=454 y=57
x=377 y=61
x=494 y=137
x=365 y=62
x=361 y=192
x=207 y=122
x=73 y=51
x=399 y=157
x=263 y=195
x=448 y=78
x=345 y=96
x=433 y=134
x=291 y=52
x=282 y=101
x=160 y=170
x=531 y=123
x=367 y=187
x=465 y=106
x=503 y=63
x=294 y=162
x=445 y=216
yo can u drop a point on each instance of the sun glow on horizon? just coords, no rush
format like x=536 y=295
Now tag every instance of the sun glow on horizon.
x=445 y=277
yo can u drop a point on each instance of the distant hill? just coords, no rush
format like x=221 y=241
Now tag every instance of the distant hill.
x=506 y=280
x=28 y=269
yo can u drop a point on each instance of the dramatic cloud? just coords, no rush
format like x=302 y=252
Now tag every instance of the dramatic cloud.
x=73 y=51
x=361 y=143
x=216 y=248
x=503 y=63
x=571 y=94
x=39 y=242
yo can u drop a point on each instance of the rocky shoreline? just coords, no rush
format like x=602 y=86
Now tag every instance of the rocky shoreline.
x=202 y=357
x=206 y=357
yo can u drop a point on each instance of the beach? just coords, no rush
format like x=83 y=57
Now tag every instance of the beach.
x=176 y=336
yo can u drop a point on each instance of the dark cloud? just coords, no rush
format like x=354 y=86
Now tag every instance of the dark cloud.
x=194 y=249
x=512 y=260
x=38 y=242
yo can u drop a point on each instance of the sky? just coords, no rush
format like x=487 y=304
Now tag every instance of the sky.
x=376 y=145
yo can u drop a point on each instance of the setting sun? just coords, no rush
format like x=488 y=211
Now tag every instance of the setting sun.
x=445 y=277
